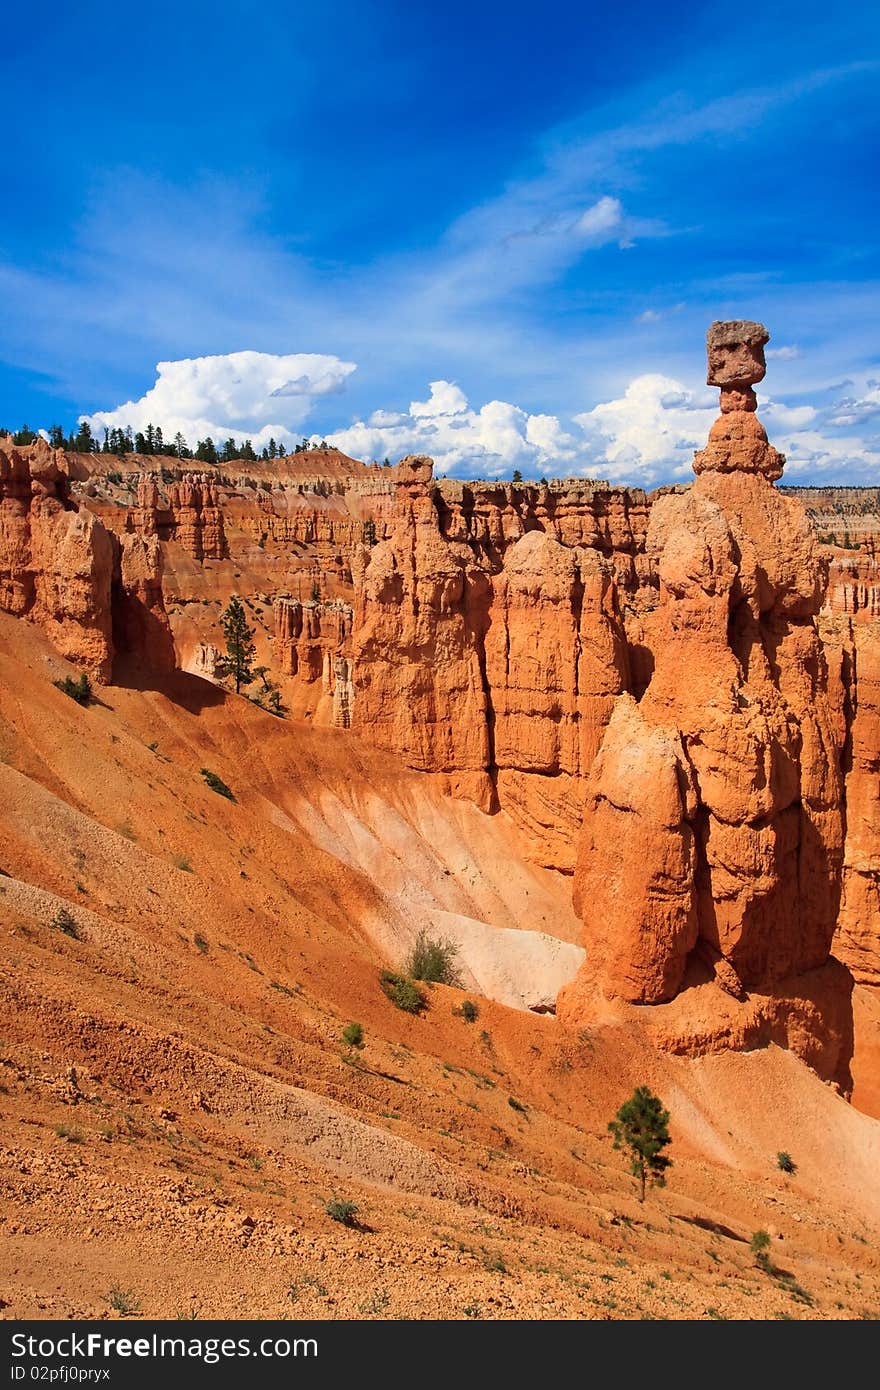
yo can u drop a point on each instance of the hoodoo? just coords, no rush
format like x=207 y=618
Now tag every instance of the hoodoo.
x=711 y=852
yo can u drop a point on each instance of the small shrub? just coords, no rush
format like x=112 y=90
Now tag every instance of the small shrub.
x=785 y=1163
x=79 y=690
x=70 y=1133
x=123 y=1301
x=494 y=1262
x=433 y=960
x=469 y=1011
x=64 y=921
x=402 y=992
x=353 y=1035
x=517 y=1105
x=182 y=862
x=201 y=943
x=342 y=1211
x=217 y=784
x=760 y=1245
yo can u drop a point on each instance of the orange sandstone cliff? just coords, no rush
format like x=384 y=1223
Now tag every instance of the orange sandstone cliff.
x=92 y=594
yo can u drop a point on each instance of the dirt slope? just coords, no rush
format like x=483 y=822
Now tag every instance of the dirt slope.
x=177 y=1106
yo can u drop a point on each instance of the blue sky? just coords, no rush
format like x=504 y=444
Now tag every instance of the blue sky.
x=538 y=209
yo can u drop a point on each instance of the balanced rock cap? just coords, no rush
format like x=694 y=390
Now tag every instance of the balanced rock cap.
x=735 y=350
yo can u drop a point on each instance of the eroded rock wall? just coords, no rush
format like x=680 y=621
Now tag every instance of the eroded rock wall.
x=63 y=570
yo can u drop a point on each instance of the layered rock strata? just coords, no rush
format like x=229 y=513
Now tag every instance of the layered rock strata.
x=63 y=570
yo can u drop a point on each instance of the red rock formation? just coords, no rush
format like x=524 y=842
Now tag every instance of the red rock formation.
x=446 y=667
x=197 y=518
x=91 y=592
x=309 y=642
x=847 y=521
x=56 y=562
x=140 y=622
x=421 y=610
x=713 y=834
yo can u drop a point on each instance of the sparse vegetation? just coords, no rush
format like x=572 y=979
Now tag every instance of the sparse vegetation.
x=402 y=992
x=342 y=1211
x=516 y=1105
x=641 y=1131
x=70 y=1133
x=353 y=1035
x=469 y=1011
x=216 y=784
x=181 y=862
x=433 y=960
x=785 y=1163
x=760 y=1246
x=65 y=922
x=123 y=1301
x=79 y=690
x=201 y=943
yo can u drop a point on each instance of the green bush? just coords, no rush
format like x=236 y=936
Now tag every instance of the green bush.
x=353 y=1035
x=79 y=690
x=433 y=961
x=343 y=1212
x=217 y=784
x=469 y=1011
x=402 y=992
x=785 y=1163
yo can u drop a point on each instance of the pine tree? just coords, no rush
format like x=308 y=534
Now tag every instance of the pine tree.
x=205 y=450
x=83 y=442
x=158 y=441
x=56 y=437
x=240 y=649
x=181 y=449
x=517 y=476
x=641 y=1130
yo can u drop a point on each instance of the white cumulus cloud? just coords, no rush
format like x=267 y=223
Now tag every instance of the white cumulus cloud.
x=244 y=394
x=652 y=430
x=489 y=441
